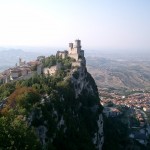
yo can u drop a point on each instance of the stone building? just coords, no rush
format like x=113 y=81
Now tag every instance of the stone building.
x=62 y=54
x=21 y=71
x=74 y=52
x=52 y=70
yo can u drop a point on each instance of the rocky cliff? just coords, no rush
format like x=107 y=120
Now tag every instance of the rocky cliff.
x=87 y=94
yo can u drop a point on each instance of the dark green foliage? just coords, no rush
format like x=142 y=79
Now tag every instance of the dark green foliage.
x=49 y=61
x=15 y=134
x=66 y=63
x=52 y=60
x=115 y=133
x=76 y=74
x=80 y=122
x=6 y=90
x=14 y=130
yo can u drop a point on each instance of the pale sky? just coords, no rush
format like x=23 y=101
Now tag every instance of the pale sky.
x=100 y=24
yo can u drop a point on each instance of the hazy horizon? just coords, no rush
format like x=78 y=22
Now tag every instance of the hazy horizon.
x=52 y=50
x=100 y=24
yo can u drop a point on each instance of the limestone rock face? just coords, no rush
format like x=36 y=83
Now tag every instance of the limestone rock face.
x=84 y=84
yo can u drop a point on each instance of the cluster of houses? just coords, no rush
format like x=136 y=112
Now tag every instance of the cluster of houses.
x=22 y=70
x=137 y=100
x=139 y=106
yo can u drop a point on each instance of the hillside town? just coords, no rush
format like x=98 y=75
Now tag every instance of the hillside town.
x=134 y=108
x=25 y=70
x=22 y=70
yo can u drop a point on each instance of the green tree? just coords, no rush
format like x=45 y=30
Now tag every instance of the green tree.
x=15 y=134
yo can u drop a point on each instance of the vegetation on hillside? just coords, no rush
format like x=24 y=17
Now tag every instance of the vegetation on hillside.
x=47 y=103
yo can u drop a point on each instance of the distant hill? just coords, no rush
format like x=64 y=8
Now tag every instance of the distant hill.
x=119 y=73
x=9 y=56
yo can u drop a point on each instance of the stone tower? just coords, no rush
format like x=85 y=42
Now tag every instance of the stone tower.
x=75 y=49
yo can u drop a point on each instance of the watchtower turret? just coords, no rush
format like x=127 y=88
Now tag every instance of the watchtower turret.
x=77 y=44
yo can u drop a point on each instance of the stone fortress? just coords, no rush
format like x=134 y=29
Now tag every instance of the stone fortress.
x=74 y=51
x=24 y=70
